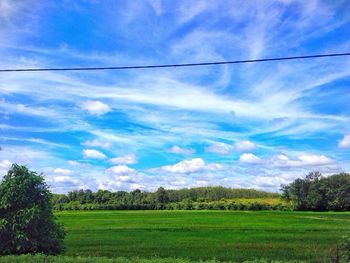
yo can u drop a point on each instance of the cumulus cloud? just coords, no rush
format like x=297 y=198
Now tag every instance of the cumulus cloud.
x=93 y=154
x=122 y=177
x=244 y=146
x=345 y=142
x=219 y=148
x=270 y=182
x=191 y=166
x=283 y=161
x=97 y=143
x=179 y=150
x=126 y=159
x=302 y=161
x=96 y=107
x=63 y=179
x=250 y=158
x=120 y=170
x=62 y=171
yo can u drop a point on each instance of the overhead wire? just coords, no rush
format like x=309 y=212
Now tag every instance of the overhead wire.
x=176 y=65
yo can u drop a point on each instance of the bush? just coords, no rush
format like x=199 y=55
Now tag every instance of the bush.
x=27 y=223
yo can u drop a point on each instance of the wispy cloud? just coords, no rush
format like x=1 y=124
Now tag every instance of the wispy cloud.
x=179 y=150
x=126 y=159
x=239 y=114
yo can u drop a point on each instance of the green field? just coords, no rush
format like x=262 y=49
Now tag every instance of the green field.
x=224 y=235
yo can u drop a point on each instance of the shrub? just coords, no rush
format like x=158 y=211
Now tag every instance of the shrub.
x=27 y=223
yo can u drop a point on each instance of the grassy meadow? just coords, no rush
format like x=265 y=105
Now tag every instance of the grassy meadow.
x=39 y=258
x=194 y=235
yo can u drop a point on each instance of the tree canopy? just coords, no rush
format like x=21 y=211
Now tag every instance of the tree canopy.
x=27 y=223
x=216 y=197
x=319 y=193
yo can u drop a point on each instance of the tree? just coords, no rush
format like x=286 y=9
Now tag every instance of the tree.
x=319 y=193
x=162 y=196
x=27 y=223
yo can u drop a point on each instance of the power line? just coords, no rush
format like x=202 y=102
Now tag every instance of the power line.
x=176 y=65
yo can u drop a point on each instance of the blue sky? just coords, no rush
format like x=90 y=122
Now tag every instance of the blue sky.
x=249 y=125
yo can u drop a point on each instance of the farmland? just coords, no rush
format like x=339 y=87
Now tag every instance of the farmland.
x=223 y=235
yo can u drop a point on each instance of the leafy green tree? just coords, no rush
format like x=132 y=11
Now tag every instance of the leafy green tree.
x=162 y=196
x=319 y=193
x=27 y=223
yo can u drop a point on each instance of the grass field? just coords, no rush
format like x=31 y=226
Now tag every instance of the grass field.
x=223 y=235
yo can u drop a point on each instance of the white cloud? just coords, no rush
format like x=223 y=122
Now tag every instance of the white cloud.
x=270 y=182
x=189 y=10
x=179 y=150
x=193 y=110
x=121 y=176
x=219 y=148
x=95 y=107
x=225 y=149
x=63 y=179
x=126 y=159
x=62 y=171
x=283 y=161
x=93 y=154
x=315 y=159
x=345 y=142
x=157 y=6
x=120 y=170
x=5 y=165
x=249 y=158
x=244 y=146
x=191 y=166
x=73 y=163
x=19 y=108
x=97 y=143
x=78 y=164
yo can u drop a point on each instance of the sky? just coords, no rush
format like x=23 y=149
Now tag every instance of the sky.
x=256 y=125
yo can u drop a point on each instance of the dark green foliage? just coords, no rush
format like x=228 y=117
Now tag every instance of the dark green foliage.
x=26 y=220
x=201 y=198
x=319 y=193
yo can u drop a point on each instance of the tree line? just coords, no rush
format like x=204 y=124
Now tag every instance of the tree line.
x=314 y=193
x=318 y=193
x=199 y=198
